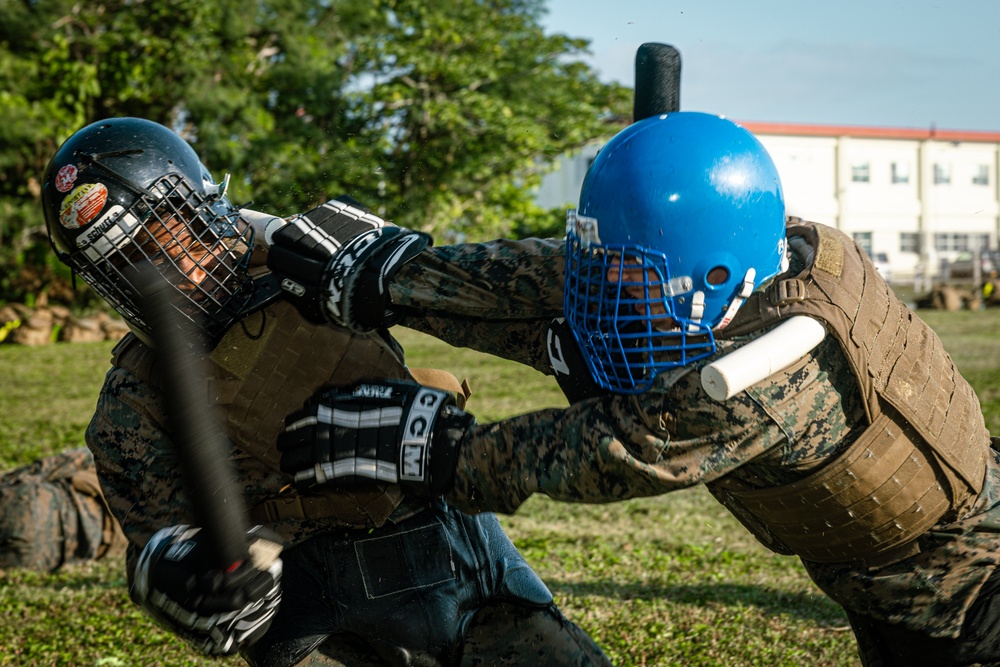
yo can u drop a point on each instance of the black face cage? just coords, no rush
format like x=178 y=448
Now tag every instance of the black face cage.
x=195 y=243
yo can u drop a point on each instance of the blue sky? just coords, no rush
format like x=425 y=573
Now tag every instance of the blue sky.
x=888 y=63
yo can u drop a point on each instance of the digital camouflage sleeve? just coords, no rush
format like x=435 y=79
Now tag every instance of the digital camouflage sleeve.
x=495 y=297
x=674 y=436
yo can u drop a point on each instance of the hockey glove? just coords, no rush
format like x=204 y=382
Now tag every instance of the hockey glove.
x=381 y=430
x=568 y=364
x=335 y=263
x=213 y=609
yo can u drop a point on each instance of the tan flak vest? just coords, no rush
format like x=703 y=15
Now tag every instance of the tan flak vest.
x=263 y=370
x=922 y=458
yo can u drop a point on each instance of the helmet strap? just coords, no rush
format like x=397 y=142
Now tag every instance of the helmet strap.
x=697 y=311
x=746 y=289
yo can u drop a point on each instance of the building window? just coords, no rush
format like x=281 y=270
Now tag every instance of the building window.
x=860 y=173
x=981 y=175
x=900 y=172
x=909 y=242
x=946 y=242
x=980 y=241
x=942 y=174
x=864 y=239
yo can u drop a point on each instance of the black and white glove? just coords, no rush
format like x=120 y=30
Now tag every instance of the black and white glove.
x=335 y=263
x=213 y=609
x=380 y=430
x=568 y=364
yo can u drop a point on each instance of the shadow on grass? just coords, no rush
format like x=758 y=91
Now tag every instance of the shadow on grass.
x=812 y=607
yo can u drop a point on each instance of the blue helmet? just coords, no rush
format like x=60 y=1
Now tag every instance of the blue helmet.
x=681 y=217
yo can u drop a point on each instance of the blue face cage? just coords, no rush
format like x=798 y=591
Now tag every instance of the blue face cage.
x=623 y=306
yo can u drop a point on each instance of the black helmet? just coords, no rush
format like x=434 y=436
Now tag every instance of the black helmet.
x=127 y=192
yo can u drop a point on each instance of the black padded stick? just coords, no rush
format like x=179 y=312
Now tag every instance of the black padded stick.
x=657 y=80
x=201 y=444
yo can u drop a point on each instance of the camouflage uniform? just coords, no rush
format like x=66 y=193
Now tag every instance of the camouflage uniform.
x=674 y=436
x=370 y=577
x=53 y=514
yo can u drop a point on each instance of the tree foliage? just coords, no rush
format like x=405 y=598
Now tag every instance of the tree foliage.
x=440 y=114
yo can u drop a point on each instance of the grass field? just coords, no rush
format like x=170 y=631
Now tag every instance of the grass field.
x=665 y=581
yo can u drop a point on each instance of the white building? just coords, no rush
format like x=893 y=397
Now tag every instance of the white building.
x=922 y=197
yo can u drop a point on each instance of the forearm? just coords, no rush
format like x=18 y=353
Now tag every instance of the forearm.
x=584 y=453
x=522 y=341
x=498 y=280
x=496 y=297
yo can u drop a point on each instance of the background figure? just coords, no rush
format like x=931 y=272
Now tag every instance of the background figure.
x=867 y=456
x=52 y=513
x=366 y=577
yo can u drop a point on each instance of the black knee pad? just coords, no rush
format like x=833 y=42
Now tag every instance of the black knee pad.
x=514 y=579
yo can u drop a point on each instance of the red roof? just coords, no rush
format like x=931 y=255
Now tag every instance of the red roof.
x=869 y=132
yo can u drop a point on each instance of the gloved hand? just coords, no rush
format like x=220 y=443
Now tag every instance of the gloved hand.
x=213 y=609
x=382 y=430
x=335 y=263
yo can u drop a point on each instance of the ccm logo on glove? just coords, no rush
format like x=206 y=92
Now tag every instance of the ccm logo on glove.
x=390 y=431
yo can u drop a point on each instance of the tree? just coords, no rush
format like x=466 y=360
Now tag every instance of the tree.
x=64 y=65
x=440 y=114
x=459 y=106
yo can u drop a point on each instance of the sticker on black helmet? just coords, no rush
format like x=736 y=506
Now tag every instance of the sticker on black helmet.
x=82 y=205
x=112 y=231
x=66 y=178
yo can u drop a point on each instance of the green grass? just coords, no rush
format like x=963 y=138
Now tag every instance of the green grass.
x=672 y=580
